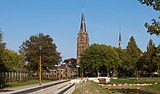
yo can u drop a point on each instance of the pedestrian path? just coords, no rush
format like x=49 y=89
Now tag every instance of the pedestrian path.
x=21 y=88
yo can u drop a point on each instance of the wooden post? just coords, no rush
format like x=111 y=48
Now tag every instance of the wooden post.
x=40 y=71
x=40 y=65
x=59 y=72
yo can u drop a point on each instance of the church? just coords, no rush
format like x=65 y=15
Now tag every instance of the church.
x=82 y=39
x=83 y=42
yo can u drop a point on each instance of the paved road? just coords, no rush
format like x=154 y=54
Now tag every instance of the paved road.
x=42 y=91
x=51 y=89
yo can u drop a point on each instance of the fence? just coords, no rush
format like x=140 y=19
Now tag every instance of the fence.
x=23 y=76
x=13 y=76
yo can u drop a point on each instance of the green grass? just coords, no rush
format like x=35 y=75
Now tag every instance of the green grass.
x=145 y=80
x=90 y=88
x=29 y=82
x=133 y=80
x=154 y=88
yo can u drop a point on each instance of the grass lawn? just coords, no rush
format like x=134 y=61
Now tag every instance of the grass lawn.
x=90 y=88
x=147 y=80
x=29 y=82
x=154 y=88
x=133 y=80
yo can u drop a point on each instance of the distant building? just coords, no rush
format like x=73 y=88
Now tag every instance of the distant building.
x=120 y=41
x=71 y=60
x=82 y=39
x=67 y=69
x=71 y=67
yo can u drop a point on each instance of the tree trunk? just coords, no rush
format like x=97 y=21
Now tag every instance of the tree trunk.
x=108 y=73
x=136 y=74
x=97 y=73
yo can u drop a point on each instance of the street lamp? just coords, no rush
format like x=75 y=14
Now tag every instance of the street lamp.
x=78 y=70
x=66 y=69
x=58 y=69
x=82 y=73
x=40 y=67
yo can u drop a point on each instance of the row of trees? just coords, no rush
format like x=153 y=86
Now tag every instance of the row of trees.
x=154 y=27
x=28 y=56
x=120 y=62
x=131 y=59
x=27 y=59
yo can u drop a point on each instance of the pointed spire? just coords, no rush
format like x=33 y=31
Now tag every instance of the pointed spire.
x=0 y=27
x=119 y=36
x=120 y=40
x=83 y=25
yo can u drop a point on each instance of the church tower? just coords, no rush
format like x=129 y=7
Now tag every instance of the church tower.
x=82 y=39
x=120 y=41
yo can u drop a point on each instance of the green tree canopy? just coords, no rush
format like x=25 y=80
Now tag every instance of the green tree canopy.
x=91 y=58
x=156 y=60
x=12 y=61
x=38 y=45
x=153 y=3
x=154 y=28
x=123 y=65
x=2 y=48
x=147 y=60
x=122 y=56
x=133 y=54
x=2 y=65
x=97 y=55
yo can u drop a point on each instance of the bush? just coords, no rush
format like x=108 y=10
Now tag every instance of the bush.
x=2 y=82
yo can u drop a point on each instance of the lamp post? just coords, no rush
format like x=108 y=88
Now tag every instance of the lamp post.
x=58 y=69
x=82 y=73
x=66 y=69
x=78 y=70
x=40 y=67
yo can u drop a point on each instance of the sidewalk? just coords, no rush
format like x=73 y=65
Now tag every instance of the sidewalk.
x=21 y=88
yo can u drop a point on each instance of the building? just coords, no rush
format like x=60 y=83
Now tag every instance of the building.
x=82 y=39
x=120 y=41
x=67 y=69
x=71 y=67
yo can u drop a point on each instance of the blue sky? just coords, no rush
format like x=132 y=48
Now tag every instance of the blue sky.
x=20 y=19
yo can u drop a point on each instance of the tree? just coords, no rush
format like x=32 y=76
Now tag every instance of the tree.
x=133 y=55
x=154 y=28
x=150 y=55
x=38 y=45
x=12 y=61
x=98 y=55
x=123 y=68
x=111 y=60
x=90 y=59
x=156 y=60
x=2 y=48
x=2 y=65
x=147 y=60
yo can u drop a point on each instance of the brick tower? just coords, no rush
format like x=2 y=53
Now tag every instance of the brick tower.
x=82 y=39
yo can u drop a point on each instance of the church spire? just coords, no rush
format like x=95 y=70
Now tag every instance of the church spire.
x=82 y=39
x=83 y=25
x=120 y=41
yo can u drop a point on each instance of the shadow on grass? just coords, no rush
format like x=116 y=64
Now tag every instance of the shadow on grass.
x=5 y=90
x=130 y=91
x=2 y=89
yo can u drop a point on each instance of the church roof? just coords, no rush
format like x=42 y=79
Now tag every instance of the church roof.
x=120 y=36
x=83 y=25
